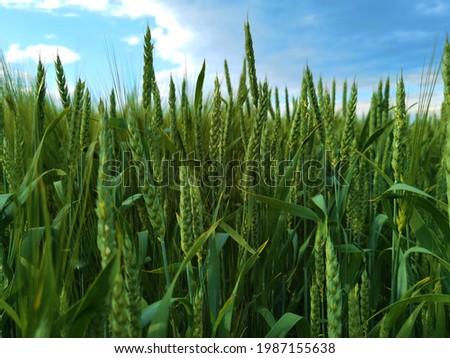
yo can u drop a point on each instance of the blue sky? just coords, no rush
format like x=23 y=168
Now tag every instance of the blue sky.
x=356 y=39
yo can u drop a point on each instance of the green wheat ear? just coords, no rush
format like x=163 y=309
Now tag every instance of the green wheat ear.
x=120 y=315
x=250 y=56
x=132 y=284
x=315 y=106
x=329 y=125
x=215 y=147
x=287 y=105
x=354 y=314
x=173 y=114
x=315 y=304
x=149 y=72
x=334 y=296
x=364 y=301
x=227 y=123
x=400 y=130
x=349 y=123
x=106 y=240
x=85 y=120
x=333 y=96
x=344 y=100
x=295 y=135
x=319 y=258
x=75 y=126
x=40 y=99
x=158 y=116
x=62 y=83
x=242 y=96
x=185 y=211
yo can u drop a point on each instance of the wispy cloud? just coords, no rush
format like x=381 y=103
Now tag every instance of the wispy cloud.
x=409 y=35
x=309 y=20
x=97 y=5
x=92 y=5
x=50 y=36
x=433 y=7
x=18 y=3
x=132 y=40
x=48 y=4
x=47 y=53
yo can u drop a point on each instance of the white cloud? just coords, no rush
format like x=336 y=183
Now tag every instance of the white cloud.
x=48 y=4
x=18 y=3
x=436 y=7
x=47 y=53
x=186 y=32
x=50 y=36
x=171 y=38
x=92 y=5
x=132 y=40
x=97 y=5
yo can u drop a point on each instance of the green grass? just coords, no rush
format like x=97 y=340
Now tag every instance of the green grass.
x=226 y=217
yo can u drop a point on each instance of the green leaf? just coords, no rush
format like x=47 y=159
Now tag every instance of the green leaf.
x=143 y=247
x=33 y=166
x=80 y=314
x=159 y=326
x=284 y=325
x=405 y=187
x=171 y=268
x=148 y=313
x=349 y=249
x=58 y=220
x=224 y=312
x=60 y=190
x=4 y=199
x=439 y=218
x=293 y=209
x=402 y=280
x=168 y=142
x=408 y=326
x=236 y=237
x=224 y=319
x=199 y=86
x=11 y=313
x=319 y=200
x=283 y=187
x=376 y=167
x=12 y=201
x=119 y=123
x=376 y=135
x=267 y=315
x=129 y=202
x=397 y=309
x=212 y=267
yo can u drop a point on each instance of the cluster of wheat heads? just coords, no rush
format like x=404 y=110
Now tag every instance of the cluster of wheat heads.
x=237 y=216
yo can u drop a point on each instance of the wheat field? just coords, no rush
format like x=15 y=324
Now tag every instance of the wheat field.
x=240 y=215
